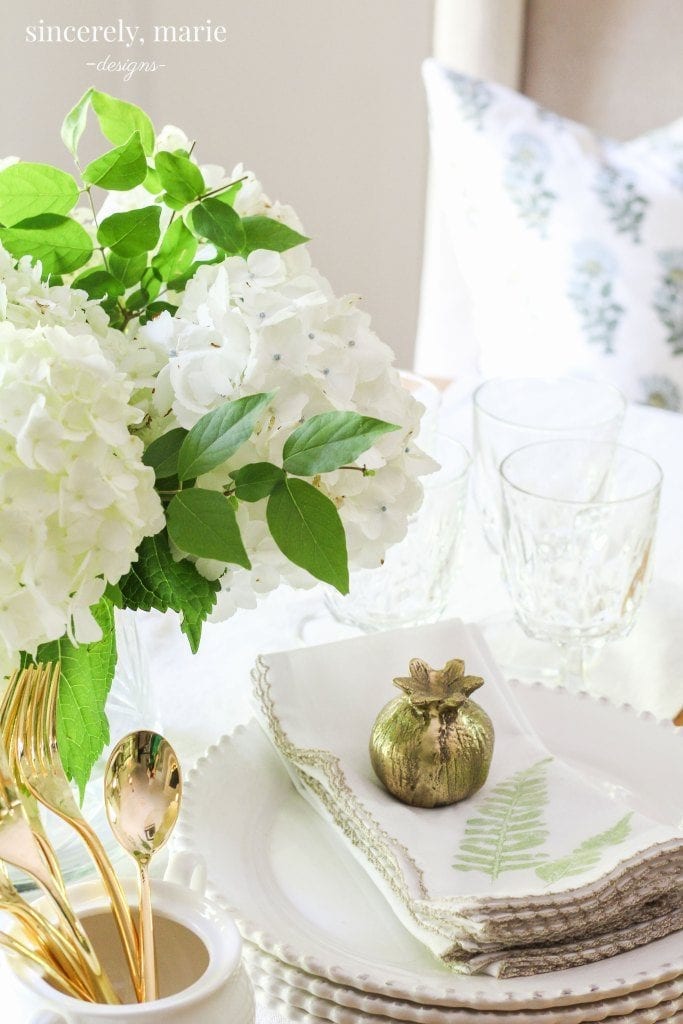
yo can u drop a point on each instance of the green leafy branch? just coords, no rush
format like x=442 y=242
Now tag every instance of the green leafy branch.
x=143 y=255
x=303 y=522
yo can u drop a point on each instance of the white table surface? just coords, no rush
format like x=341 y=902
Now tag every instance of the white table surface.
x=199 y=698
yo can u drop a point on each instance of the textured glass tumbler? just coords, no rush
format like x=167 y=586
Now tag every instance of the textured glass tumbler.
x=415 y=582
x=579 y=521
x=512 y=412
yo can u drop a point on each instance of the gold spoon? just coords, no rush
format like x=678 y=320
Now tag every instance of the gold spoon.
x=142 y=792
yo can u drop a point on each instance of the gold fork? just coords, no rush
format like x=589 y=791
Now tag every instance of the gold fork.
x=9 y=721
x=43 y=774
x=37 y=959
x=52 y=944
x=19 y=847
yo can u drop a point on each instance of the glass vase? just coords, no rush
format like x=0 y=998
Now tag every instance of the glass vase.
x=129 y=707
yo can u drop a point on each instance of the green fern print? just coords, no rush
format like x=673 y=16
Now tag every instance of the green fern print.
x=587 y=854
x=509 y=827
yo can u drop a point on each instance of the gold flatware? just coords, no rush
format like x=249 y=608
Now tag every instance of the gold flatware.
x=19 y=847
x=40 y=768
x=36 y=959
x=53 y=944
x=142 y=794
x=9 y=719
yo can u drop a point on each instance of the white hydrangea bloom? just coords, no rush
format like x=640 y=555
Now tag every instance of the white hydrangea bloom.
x=27 y=301
x=272 y=322
x=75 y=498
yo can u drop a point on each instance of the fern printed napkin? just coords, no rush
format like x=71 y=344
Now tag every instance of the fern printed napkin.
x=541 y=869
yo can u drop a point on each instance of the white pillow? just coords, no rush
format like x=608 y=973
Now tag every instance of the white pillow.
x=570 y=245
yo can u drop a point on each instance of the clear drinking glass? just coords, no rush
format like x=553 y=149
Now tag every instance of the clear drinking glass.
x=512 y=412
x=414 y=584
x=579 y=521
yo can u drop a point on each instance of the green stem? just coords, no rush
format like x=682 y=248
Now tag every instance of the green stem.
x=360 y=469
x=223 y=188
x=105 y=261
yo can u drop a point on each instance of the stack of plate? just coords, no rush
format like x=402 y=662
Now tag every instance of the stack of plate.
x=321 y=942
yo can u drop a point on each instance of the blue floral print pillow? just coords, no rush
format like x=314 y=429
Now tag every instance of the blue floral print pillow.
x=570 y=245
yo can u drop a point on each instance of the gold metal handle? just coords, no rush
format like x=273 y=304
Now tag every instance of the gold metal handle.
x=147 y=954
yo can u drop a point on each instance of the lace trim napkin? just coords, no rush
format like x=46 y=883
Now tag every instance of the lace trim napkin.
x=541 y=869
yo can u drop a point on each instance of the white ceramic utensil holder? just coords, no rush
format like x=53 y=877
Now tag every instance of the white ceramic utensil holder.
x=199 y=956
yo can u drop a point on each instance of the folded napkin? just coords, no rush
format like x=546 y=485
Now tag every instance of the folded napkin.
x=543 y=869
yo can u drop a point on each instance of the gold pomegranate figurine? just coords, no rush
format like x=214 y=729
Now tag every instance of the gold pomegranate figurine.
x=433 y=745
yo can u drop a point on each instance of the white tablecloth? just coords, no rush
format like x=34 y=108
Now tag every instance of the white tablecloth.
x=199 y=698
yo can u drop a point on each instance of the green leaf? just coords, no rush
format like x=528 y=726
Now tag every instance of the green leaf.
x=121 y=169
x=587 y=854
x=74 y=123
x=152 y=181
x=137 y=300
x=203 y=523
x=98 y=284
x=330 y=440
x=156 y=580
x=257 y=480
x=151 y=280
x=162 y=454
x=306 y=527
x=119 y=119
x=112 y=592
x=181 y=178
x=174 y=204
x=219 y=434
x=176 y=252
x=508 y=825
x=218 y=223
x=155 y=308
x=267 y=233
x=127 y=269
x=131 y=233
x=29 y=190
x=230 y=194
x=86 y=676
x=178 y=283
x=60 y=244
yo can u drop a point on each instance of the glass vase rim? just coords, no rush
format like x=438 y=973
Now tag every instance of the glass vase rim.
x=617 y=393
x=651 y=490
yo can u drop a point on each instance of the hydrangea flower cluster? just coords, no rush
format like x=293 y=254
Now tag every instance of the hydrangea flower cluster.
x=75 y=497
x=271 y=322
x=180 y=392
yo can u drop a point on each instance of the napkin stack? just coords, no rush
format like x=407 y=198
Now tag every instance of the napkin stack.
x=544 y=869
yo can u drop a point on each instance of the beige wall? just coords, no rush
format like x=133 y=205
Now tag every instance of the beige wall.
x=612 y=64
x=323 y=98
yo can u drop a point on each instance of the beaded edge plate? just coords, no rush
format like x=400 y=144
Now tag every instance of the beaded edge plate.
x=311 y=1012
x=300 y=896
x=306 y=991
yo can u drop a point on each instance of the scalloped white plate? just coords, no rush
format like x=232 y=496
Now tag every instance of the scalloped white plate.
x=293 y=986
x=311 y=1010
x=300 y=896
